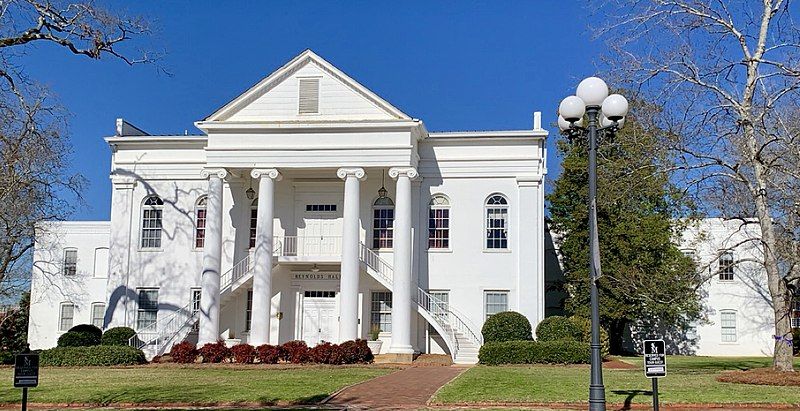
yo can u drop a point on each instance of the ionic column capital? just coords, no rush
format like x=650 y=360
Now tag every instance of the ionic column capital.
x=217 y=172
x=357 y=172
x=272 y=173
x=410 y=172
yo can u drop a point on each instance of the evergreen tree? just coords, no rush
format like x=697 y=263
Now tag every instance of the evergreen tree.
x=647 y=281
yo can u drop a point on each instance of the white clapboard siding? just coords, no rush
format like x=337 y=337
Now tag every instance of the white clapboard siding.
x=336 y=100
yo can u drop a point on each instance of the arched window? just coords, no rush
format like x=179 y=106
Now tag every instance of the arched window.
x=382 y=222
x=152 y=210
x=253 y=222
x=496 y=222
x=439 y=222
x=200 y=222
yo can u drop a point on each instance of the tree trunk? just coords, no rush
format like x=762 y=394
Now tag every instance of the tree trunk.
x=615 y=337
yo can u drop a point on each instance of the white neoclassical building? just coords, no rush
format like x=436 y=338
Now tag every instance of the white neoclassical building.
x=310 y=208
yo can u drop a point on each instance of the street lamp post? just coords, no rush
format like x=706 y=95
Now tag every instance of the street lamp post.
x=604 y=114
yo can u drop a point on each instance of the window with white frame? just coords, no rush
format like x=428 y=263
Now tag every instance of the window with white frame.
x=195 y=299
x=248 y=310
x=382 y=223
x=70 y=262
x=495 y=302
x=66 y=316
x=200 y=222
x=152 y=213
x=726 y=263
x=440 y=303
x=497 y=222
x=147 y=313
x=381 y=311
x=98 y=314
x=727 y=320
x=439 y=222
x=253 y=222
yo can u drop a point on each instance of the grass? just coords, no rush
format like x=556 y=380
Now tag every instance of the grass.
x=688 y=380
x=188 y=385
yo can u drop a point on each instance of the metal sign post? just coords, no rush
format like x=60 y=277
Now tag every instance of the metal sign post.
x=26 y=373
x=655 y=364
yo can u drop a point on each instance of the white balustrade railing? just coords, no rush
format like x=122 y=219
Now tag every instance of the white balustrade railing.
x=161 y=334
x=311 y=246
x=376 y=263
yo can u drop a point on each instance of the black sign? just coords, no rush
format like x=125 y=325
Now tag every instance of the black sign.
x=655 y=359
x=26 y=370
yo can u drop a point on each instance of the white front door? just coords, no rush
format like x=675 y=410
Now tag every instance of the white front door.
x=319 y=317
x=319 y=232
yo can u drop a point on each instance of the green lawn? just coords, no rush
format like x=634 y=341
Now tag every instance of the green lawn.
x=188 y=385
x=688 y=380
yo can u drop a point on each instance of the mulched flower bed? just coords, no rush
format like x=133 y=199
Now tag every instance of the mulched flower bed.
x=761 y=376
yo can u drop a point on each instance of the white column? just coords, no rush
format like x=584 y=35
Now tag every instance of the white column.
x=529 y=247
x=262 y=255
x=402 y=285
x=348 y=288
x=212 y=256
x=119 y=297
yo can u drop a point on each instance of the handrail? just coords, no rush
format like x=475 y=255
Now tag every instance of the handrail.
x=310 y=245
x=160 y=332
x=448 y=318
x=242 y=268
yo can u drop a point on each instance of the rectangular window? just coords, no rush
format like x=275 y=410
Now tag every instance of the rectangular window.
x=309 y=95
x=728 y=323
x=253 y=222
x=381 y=317
x=195 y=296
x=382 y=226
x=726 y=263
x=67 y=316
x=147 y=313
x=320 y=208
x=439 y=228
x=497 y=227
x=495 y=302
x=440 y=303
x=151 y=228
x=200 y=228
x=70 y=262
x=248 y=311
x=98 y=313
x=319 y=294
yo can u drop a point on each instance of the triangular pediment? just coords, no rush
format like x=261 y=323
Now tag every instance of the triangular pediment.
x=277 y=97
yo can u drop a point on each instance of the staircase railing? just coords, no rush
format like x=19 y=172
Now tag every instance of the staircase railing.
x=160 y=333
x=243 y=267
x=376 y=263
x=448 y=318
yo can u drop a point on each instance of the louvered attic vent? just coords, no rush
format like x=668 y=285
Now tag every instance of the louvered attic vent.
x=309 y=95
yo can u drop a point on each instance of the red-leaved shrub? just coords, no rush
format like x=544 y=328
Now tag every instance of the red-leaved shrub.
x=326 y=353
x=356 y=352
x=184 y=352
x=243 y=353
x=215 y=352
x=268 y=354
x=295 y=352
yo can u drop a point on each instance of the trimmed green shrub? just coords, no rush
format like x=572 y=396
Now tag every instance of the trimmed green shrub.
x=6 y=358
x=506 y=326
x=77 y=339
x=534 y=352
x=117 y=336
x=585 y=327
x=557 y=328
x=94 y=355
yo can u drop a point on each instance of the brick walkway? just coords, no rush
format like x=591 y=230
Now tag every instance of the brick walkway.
x=407 y=389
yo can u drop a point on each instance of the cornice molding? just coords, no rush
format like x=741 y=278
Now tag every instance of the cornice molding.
x=357 y=172
x=209 y=172
x=272 y=173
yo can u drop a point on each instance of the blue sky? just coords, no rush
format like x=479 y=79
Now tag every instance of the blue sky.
x=455 y=65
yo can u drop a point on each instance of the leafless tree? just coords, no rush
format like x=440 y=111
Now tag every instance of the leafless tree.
x=726 y=74
x=36 y=182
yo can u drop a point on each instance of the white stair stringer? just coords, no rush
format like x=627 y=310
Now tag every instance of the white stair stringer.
x=459 y=336
x=159 y=337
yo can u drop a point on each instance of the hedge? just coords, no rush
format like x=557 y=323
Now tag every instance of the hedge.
x=534 y=352
x=585 y=327
x=93 y=355
x=557 y=328
x=117 y=336
x=506 y=326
